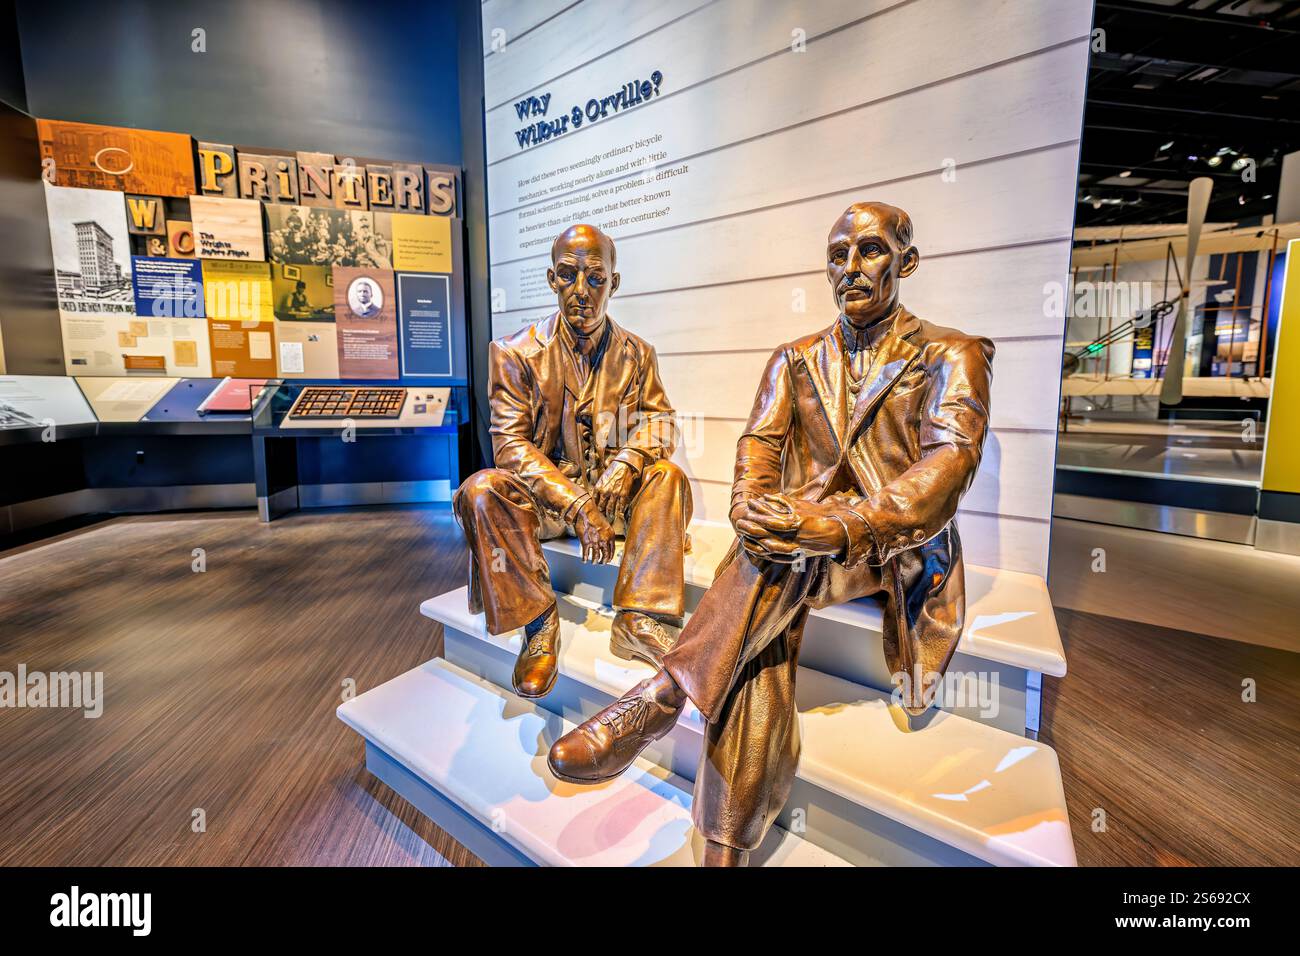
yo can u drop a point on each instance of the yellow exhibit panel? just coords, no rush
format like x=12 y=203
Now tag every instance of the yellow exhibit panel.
x=1282 y=444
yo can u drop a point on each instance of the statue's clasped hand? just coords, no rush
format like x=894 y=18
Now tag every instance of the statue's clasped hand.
x=778 y=528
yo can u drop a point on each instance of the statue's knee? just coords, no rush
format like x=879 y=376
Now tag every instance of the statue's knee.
x=666 y=471
x=480 y=486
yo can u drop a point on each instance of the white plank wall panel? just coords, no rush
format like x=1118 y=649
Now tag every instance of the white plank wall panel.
x=516 y=18
x=730 y=180
x=724 y=82
x=886 y=96
x=989 y=293
x=558 y=47
x=698 y=42
x=1006 y=202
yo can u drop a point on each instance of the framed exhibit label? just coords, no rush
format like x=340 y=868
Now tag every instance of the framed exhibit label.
x=365 y=312
x=32 y=401
x=307 y=350
x=421 y=243
x=167 y=287
x=130 y=344
x=227 y=228
x=242 y=349
x=237 y=291
x=424 y=316
x=124 y=399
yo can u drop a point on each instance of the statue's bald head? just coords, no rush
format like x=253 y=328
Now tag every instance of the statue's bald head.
x=582 y=275
x=896 y=220
x=585 y=236
x=868 y=251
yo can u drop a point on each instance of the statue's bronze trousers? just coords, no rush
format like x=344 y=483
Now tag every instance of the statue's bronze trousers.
x=736 y=659
x=505 y=526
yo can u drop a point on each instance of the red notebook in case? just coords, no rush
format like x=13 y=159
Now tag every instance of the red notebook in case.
x=234 y=395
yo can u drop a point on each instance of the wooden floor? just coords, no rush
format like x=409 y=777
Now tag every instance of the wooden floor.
x=1151 y=729
x=220 y=690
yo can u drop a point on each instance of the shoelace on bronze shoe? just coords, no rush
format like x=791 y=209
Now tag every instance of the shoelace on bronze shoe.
x=630 y=712
x=539 y=644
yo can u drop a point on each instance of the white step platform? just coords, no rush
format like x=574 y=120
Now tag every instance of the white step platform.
x=872 y=787
x=1011 y=634
x=472 y=758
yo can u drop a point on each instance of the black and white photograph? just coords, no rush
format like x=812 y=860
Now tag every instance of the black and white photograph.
x=92 y=249
x=314 y=235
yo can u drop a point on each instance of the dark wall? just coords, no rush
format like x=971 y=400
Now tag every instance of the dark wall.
x=29 y=318
x=12 y=89
x=369 y=78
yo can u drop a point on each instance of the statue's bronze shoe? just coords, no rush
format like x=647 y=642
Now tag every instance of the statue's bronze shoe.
x=638 y=636
x=604 y=746
x=538 y=663
x=719 y=854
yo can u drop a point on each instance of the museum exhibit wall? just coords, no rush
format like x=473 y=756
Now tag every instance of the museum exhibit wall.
x=325 y=75
x=328 y=76
x=717 y=142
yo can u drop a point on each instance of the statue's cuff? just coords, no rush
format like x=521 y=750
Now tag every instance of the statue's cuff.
x=571 y=512
x=860 y=540
x=634 y=458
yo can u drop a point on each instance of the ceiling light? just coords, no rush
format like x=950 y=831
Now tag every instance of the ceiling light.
x=1166 y=146
x=1215 y=160
x=1126 y=174
x=1241 y=200
x=1240 y=162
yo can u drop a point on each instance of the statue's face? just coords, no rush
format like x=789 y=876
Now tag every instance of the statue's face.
x=864 y=264
x=583 y=279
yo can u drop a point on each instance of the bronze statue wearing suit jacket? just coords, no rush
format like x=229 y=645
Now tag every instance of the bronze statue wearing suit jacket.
x=581 y=435
x=861 y=442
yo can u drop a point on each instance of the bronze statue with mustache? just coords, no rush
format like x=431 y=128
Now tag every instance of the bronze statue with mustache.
x=582 y=431
x=862 y=439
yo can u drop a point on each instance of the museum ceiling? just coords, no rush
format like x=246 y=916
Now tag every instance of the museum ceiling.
x=1187 y=88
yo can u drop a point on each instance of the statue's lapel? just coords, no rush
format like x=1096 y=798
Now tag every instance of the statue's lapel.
x=824 y=360
x=893 y=356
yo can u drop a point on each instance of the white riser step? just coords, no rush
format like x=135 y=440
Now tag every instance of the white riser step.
x=473 y=758
x=870 y=788
x=1011 y=634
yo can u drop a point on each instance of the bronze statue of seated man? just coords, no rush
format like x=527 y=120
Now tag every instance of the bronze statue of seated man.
x=582 y=432
x=862 y=439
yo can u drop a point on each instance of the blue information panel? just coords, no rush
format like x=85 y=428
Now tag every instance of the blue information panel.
x=171 y=288
x=429 y=341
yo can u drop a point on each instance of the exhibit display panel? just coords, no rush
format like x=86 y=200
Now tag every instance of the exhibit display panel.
x=269 y=263
x=191 y=278
x=35 y=401
x=717 y=167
